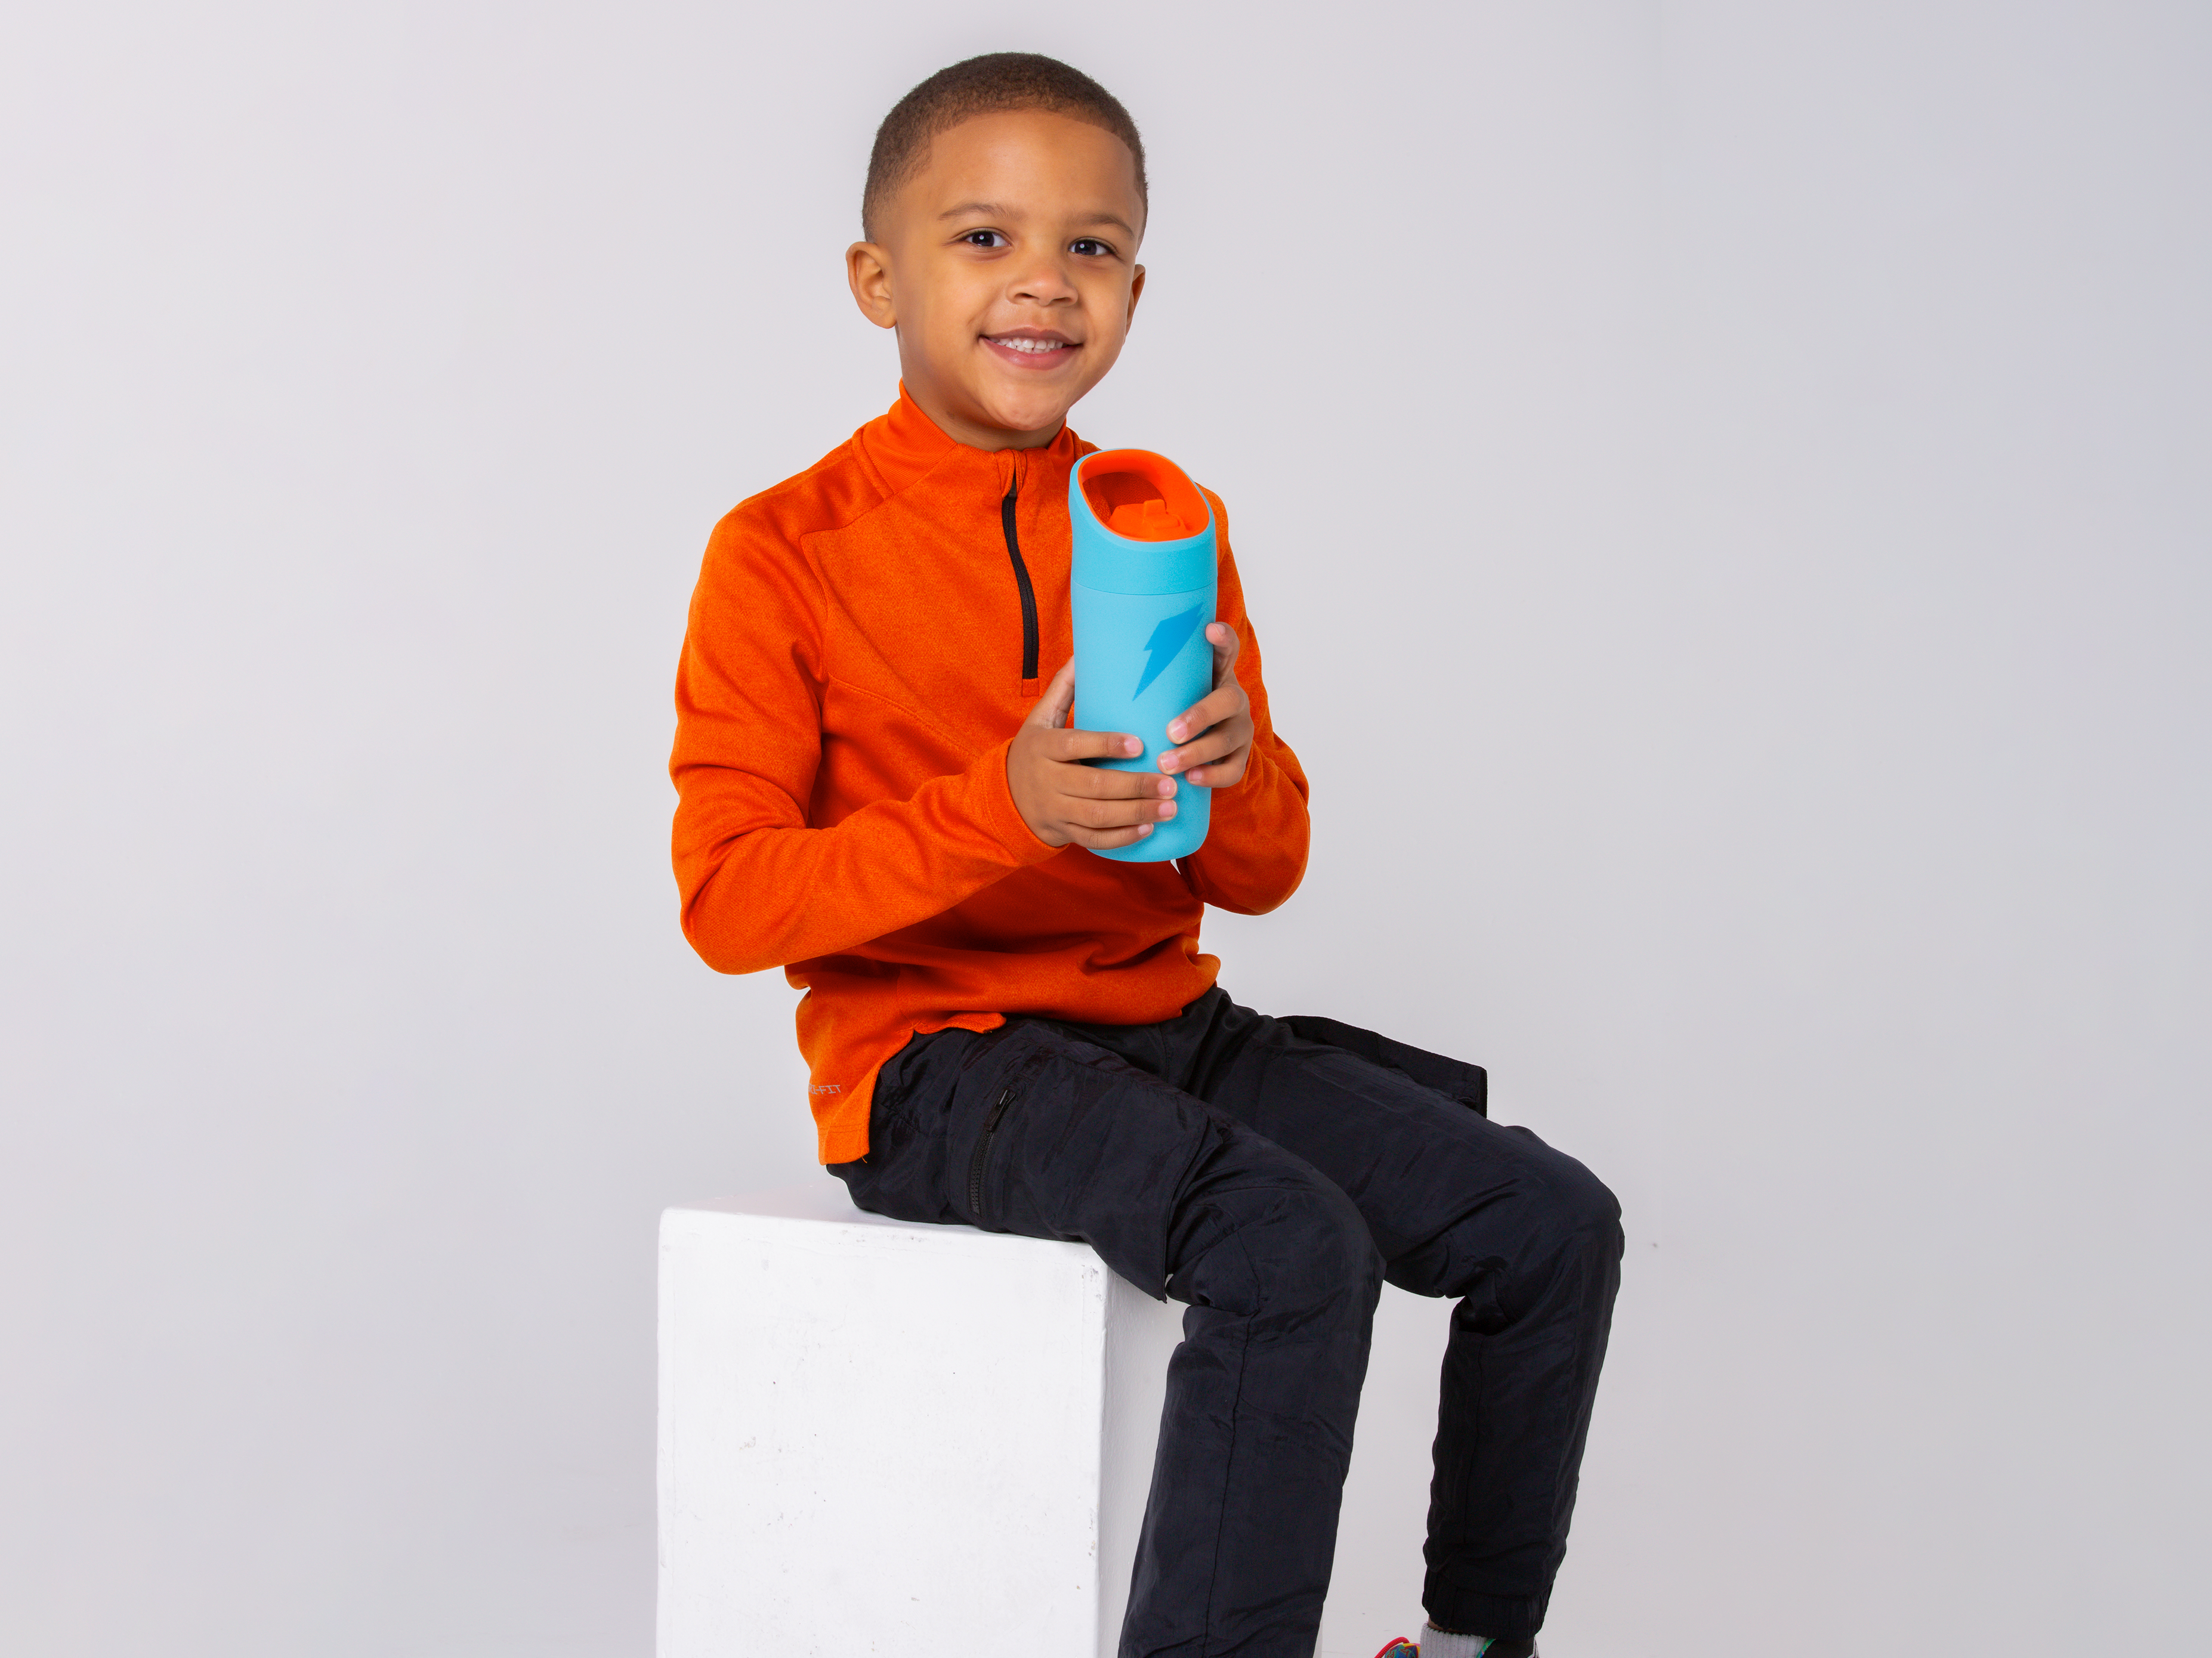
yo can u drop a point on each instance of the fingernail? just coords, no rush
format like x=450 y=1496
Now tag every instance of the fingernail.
x=1167 y=763
x=1167 y=811
x=1167 y=785
x=1143 y=830
x=1176 y=732
x=1131 y=745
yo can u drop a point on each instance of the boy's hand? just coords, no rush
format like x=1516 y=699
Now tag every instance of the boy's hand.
x=1060 y=799
x=1216 y=732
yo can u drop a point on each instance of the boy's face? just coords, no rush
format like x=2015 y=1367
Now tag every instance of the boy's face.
x=1008 y=266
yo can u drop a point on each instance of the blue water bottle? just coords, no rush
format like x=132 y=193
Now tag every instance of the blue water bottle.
x=1142 y=593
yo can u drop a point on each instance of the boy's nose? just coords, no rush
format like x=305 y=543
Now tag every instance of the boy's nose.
x=1043 y=282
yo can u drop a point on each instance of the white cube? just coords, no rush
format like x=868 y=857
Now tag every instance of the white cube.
x=882 y=1438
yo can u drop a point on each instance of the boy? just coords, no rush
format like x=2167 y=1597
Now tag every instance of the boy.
x=880 y=792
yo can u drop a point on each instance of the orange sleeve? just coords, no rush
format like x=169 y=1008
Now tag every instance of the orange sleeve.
x=1254 y=853
x=760 y=887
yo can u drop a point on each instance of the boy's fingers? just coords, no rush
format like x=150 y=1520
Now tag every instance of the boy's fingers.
x=1210 y=744
x=1225 y=701
x=1093 y=745
x=1204 y=752
x=1225 y=738
x=1114 y=814
x=1102 y=783
x=1103 y=841
x=1220 y=773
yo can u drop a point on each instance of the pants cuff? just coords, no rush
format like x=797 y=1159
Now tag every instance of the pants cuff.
x=1501 y=1617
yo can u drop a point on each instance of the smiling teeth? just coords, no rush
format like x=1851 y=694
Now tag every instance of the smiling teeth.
x=1032 y=346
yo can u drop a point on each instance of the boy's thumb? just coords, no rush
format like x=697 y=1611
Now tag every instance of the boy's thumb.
x=1052 y=705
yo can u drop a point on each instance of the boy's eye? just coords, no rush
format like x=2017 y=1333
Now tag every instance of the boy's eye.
x=986 y=239
x=1089 y=247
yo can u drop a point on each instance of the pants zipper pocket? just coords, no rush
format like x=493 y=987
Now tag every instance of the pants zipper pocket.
x=981 y=1160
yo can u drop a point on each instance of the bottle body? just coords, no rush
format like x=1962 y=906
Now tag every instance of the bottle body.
x=1118 y=637
x=1143 y=589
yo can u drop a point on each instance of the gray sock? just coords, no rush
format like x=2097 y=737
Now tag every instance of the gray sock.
x=1442 y=1644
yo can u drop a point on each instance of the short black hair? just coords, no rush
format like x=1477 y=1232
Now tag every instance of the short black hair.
x=990 y=85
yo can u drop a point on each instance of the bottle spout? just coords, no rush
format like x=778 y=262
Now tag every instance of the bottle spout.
x=1143 y=496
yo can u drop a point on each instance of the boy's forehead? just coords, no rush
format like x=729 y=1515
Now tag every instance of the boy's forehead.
x=1030 y=161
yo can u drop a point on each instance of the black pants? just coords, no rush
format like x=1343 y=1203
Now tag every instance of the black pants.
x=1272 y=1174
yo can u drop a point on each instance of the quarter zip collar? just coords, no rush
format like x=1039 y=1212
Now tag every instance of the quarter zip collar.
x=904 y=444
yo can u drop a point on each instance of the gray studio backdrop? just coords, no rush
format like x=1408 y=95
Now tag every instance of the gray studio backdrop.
x=1723 y=488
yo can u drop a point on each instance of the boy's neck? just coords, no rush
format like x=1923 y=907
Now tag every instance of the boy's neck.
x=973 y=433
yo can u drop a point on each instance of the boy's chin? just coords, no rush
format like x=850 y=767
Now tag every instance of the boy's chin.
x=1026 y=400
x=1034 y=411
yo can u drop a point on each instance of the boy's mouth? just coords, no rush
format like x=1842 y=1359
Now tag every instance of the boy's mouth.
x=1031 y=347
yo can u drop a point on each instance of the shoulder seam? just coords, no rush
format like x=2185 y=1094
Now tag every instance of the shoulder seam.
x=845 y=454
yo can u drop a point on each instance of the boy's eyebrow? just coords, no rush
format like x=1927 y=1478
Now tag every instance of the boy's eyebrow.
x=1000 y=211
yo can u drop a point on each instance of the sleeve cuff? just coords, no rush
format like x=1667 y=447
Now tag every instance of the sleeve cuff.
x=1258 y=773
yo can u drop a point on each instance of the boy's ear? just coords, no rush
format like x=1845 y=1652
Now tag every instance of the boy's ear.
x=868 y=269
x=1136 y=293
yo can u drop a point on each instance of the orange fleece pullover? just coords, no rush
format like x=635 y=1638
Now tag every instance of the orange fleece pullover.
x=853 y=672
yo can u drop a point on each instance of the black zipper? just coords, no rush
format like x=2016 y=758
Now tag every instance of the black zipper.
x=1021 y=579
x=983 y=1157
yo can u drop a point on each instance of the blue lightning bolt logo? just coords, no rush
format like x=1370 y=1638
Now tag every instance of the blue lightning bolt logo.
x=1166 y=643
